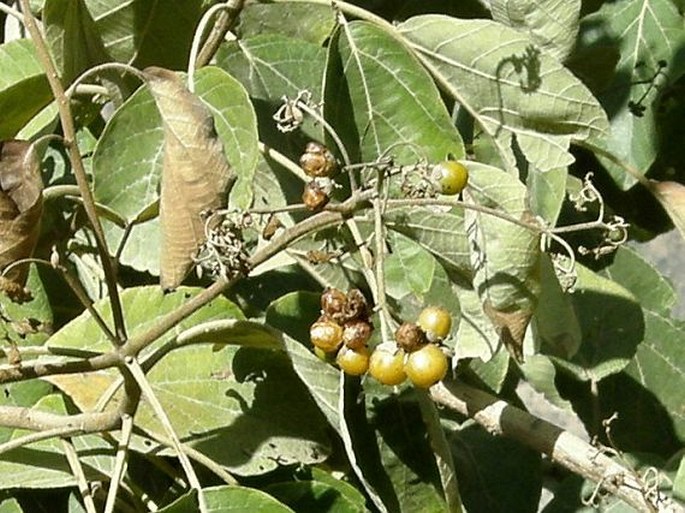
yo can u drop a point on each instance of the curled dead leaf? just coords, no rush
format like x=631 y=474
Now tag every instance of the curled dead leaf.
x=196 y=176
x=671 y=195
x=21 y=206
x=511 y=327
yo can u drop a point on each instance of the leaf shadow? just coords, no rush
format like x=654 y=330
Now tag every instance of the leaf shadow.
x=278 y=409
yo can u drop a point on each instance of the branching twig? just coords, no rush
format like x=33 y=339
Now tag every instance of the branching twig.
x=120 y=462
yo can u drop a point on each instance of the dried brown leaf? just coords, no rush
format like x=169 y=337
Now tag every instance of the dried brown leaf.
x=671 y=195
x=511 y=327
x=196 y=176
x=21 y=206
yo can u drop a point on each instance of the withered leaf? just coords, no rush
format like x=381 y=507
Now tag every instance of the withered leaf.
x=511 y=327
x=196 y=176
x=21 y=206
x=671 y=195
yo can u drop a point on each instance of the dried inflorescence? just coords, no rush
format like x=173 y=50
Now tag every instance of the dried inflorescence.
x=223 y=253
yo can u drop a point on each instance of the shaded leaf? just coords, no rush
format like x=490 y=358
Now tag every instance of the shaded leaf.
x=73 y=38
x=363 y=62
x=557 y=330
x=495 y=473
x=539 y=372
x=304 y=496
x=147 y=33
x=21 y=207
x=612 y=326
x=195 y=173
x=547 y=192
x=476 y=336
x=24 y=88
x=552 y=24
x=671 y=195
x=511 y=87
x=293 y=314
x=646 y=32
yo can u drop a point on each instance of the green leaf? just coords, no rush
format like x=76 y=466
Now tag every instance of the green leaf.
x=228 y=499
x=346 y=489
x=643 y=280
x=311 y=22
x=495 y=474
x=73 y=38
x=239 y=406
x=492 y=371
x=647 y=31
x=127 y=161
x=406 y=454
x=679 y=482
x=612 y=326
x=552 y=24
x=476 y=337
x=43 y=464
x=147 y=33
x=409 y=269
x=233 y=331
x=24 y=88
x=540 y=372
x=236 y=125
x=412 y=123
x=547 y=191
x=305 y=496
x=293 y=314
x=509 y=86
x=10 y=506
x=439 y=231
x=557 y=330
x=271 y=66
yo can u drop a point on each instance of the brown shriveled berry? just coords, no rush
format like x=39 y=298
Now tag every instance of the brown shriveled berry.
x=410 y=337
x=356 y=333
x=314 y=197
x=356 y=306
x=317 y=160
x=326 y=335
x=333 y=303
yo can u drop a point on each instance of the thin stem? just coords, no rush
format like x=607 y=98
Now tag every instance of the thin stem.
x=38 y=436
x=632 y=171
x=284 y=161
x=223 y=24
x=138 y=374
x=119 y=463
x=115 y=66
x=91 y=89
x=79 y=170
x=367 y=257
x=77 y=470
x=195 y=46
x=12 y=12
x=379 y=238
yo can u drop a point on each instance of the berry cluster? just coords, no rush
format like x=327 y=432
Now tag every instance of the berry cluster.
x=416 y=354
x=343 y=329
x=318 y=163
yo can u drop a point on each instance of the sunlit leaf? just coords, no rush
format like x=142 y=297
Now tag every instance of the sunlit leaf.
x=412 y=123
x=509 y=85
x=552 y=24
x=240 y=406
x=310 y=22
x=647 y=32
